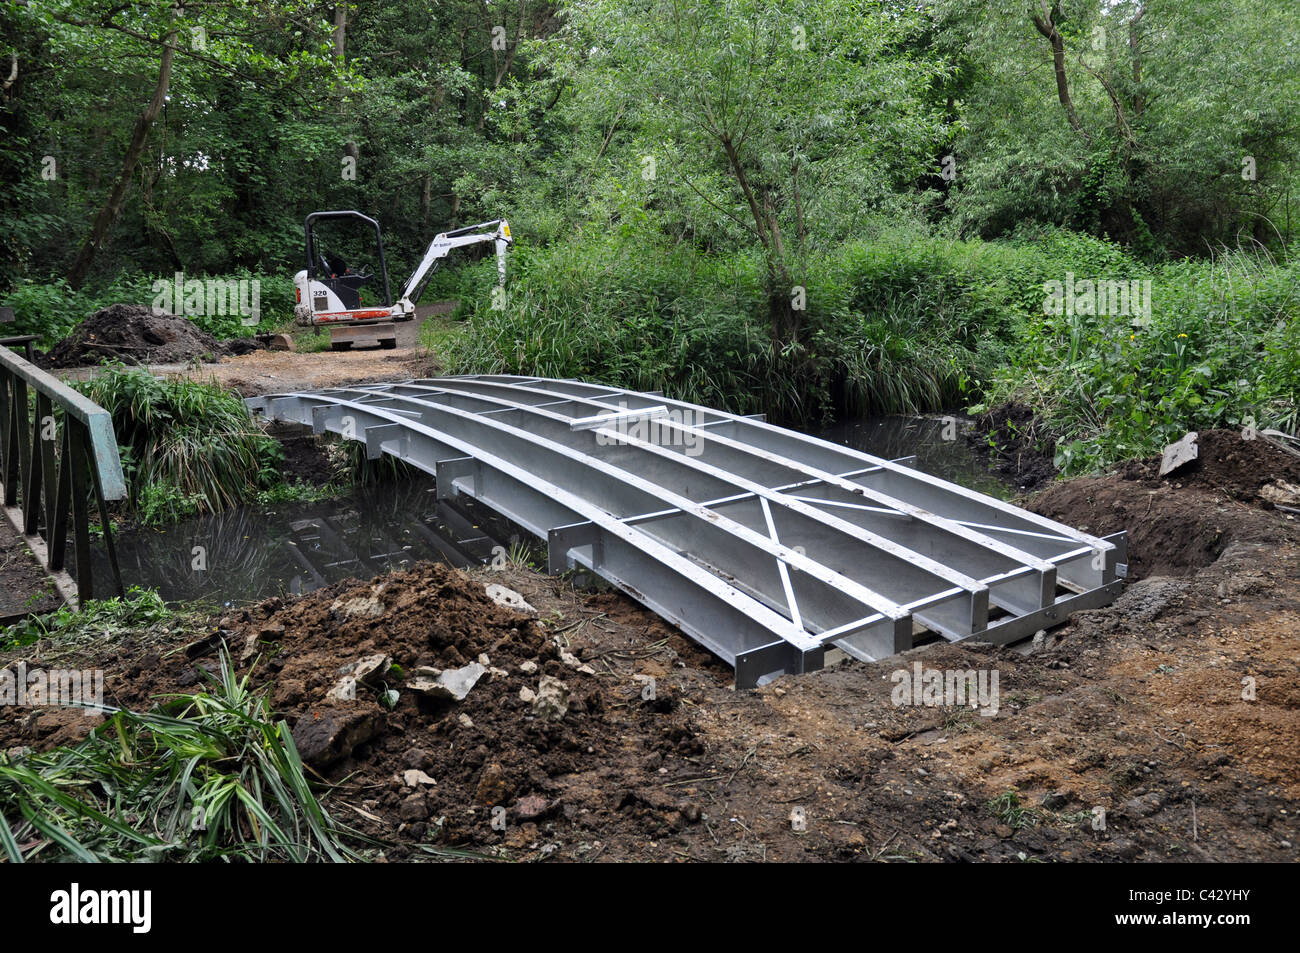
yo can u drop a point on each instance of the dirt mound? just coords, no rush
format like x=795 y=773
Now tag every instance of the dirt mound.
x=306 y=459
x=134 y=334
x=1021 y=448
x=1183 y=522
x=499 y=769
x=1225 y=461
x=491 y=749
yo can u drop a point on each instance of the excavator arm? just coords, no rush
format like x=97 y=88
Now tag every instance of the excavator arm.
x=496 y=231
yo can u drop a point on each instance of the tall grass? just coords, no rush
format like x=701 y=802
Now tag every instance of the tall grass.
x=186 y=445
x=665 y=317
x=210 y=777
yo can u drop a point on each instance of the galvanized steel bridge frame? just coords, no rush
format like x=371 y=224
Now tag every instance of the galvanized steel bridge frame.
x=765 y=545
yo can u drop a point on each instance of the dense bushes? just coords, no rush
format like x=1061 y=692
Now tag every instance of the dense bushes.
x=51 y=309
x=1218 y=348
x=911 y=323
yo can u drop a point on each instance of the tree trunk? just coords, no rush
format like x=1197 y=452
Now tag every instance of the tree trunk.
x=350 y=148
x=786 y=324
x=340 y=32
x=784 y=321
x=1135 y=50
x=1046 y=25
x=103 y=221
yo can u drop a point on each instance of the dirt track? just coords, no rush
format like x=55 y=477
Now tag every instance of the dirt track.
x=271 y=372
x=1135 y=710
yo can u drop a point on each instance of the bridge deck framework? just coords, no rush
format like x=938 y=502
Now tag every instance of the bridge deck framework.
x=765 y=545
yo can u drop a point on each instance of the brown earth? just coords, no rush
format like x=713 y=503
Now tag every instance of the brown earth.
x=24 y=585
x=134 y=334
x=1019 y=446
x=1172 y=714
x=264 y=371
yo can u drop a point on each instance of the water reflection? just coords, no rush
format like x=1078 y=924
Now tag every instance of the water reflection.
x=250 y=553
x=939 y=443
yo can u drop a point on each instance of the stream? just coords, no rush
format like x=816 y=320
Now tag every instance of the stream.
x=247 y=554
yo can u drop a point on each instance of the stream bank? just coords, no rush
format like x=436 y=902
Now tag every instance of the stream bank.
x=1170 y=715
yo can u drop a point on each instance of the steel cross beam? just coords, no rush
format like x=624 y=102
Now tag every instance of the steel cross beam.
x=764 y=545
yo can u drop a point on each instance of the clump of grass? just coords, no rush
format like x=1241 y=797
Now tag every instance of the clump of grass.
x=187 y=446
x=209 y=777
x=1008 y=808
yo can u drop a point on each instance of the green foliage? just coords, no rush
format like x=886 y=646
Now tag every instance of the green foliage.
x=1178 y=133
x=52 y=310
x=1219 y=349
x=892 y=328
x=137 y=610
x=186 y=446
x=208 y=777
x=297 y=492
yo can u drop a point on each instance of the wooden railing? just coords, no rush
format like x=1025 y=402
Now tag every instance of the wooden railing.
x=58 y=457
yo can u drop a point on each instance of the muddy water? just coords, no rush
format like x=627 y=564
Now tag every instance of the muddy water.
x=249 y=553
x=939 y=443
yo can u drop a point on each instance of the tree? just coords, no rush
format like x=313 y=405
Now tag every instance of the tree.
x=152 y=47
x=768 y=112
x=1154 y=122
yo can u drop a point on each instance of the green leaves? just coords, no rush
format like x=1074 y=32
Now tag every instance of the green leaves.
x=214 y=779
x=192 y=445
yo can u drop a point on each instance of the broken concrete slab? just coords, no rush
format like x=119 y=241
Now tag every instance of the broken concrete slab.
x=1280 y=493
x=414 y=777
x=368 y=607
x=552 y=699
x=508 y=598
x=452 y=683
x=571 y=660
x=369 y=669
x=344 y=690
x=1179 y=453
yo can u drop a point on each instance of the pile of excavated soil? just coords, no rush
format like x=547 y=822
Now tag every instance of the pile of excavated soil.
x=429 y=769
x=1182 y=522
x=1228 y=461
x=134 y=334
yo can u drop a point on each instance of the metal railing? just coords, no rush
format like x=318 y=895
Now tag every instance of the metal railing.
x=53 y=466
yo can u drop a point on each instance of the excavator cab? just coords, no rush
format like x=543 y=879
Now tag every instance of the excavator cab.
x=336 y=292
x=333 y=287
